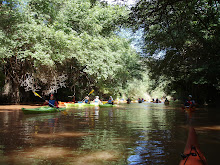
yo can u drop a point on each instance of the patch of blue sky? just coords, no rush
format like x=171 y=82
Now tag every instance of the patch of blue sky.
x=17 y=4
x=136 y=38
x=4 y=2
x=121 y=2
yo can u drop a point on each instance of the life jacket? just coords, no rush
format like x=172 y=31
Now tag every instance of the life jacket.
x=96 y=100
x=52 y=102
x=190 y=102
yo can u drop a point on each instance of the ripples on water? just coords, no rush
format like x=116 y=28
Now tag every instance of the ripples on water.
x=144 y=133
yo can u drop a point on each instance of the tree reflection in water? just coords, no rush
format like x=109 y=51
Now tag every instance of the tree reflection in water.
x=128 y=134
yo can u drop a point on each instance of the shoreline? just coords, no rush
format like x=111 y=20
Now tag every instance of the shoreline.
x=18 y=107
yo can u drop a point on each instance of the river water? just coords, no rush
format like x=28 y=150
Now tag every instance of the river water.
x=146 y=133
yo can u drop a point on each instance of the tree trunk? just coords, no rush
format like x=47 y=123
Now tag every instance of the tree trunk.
x=11 y=91
x=15 y=93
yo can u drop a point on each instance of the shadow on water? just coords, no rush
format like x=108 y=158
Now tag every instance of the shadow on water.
x=133 y=133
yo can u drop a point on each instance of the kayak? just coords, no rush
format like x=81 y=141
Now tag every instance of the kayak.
x=166 y=103
x=69 y=105
x=44 y=109
x=192 y=154
x=107 y=105
x=95 y=104
x=62 y=103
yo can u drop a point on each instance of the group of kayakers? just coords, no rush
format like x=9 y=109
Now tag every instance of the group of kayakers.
x=98 y=101
x=141 y=100
x=192 y=153
x=53 y=103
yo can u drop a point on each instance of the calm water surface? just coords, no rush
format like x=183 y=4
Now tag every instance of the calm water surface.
x=144 y=133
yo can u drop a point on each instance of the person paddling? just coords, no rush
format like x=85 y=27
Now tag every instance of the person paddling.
x=189 y=102
x=128 y=101
x=166 y=101
x=87 y=100
x=52 y=102
x=110 y=100
x=96 y=100
x=139 y=100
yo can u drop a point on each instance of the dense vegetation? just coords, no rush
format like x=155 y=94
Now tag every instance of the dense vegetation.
x=182 y=44
x=72 y=46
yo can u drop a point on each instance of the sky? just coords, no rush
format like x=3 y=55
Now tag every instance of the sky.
x=137 y=40
x=125 y=2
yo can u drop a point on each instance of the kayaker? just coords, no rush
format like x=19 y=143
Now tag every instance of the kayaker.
x=128 y=101
x=87 y=101
x=166 y=101
x=189 y=102
x=74 y=99
x=96 y=100
x=110 y=100
x=52 y=102
x=139 y=100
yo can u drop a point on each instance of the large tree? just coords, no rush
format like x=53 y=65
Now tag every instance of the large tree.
x=182 y=43
x=52 y=44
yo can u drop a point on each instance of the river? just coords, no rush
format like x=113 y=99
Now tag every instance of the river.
x=145 y=133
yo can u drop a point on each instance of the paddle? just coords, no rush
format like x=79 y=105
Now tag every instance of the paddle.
x=87 y=95
x=36 y=94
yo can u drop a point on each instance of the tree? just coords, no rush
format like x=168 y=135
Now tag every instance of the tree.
x=186 y=35
x=47 y=39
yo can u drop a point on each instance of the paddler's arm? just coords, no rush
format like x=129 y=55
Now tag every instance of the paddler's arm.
x=56 y=104
x=46 y=102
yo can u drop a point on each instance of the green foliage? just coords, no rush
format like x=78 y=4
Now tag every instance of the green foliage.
x=187 y=32
x=48 y=39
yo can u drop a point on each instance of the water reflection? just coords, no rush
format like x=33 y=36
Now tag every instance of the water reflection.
x=154 y=130
x=144 y=133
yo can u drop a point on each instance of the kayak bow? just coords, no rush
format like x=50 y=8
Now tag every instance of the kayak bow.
x=192 y=154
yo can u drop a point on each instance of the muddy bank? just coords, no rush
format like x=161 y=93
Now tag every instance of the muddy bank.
x=18 y=107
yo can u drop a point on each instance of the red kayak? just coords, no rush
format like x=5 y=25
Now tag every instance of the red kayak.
x=192 y=154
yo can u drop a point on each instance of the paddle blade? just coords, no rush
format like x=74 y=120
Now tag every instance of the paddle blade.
x=64 y=112
x=91 y=92
x=36 y=94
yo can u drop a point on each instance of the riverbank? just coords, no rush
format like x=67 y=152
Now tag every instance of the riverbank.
x=18 y=107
